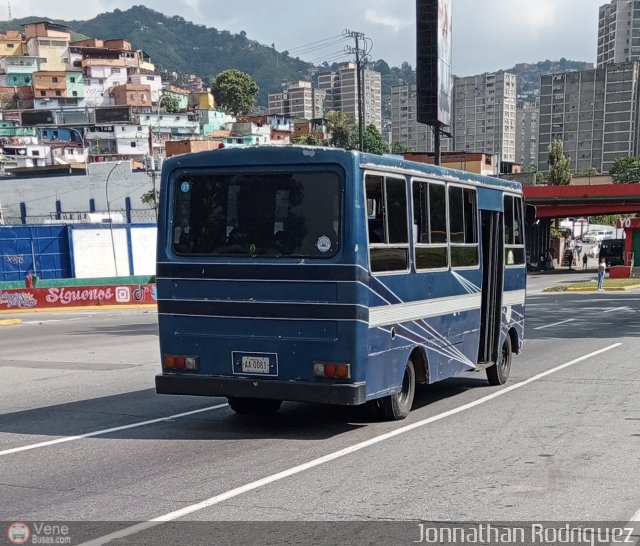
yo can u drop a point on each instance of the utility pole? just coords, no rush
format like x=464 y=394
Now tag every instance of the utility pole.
x=362 y=58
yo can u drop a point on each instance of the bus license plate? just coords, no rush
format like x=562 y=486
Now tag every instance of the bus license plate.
x=255 y=364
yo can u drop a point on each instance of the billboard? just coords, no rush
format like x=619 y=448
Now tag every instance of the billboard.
x=433 y=61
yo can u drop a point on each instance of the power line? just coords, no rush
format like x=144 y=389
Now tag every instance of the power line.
x=318 y=48
x=329 y=56
x=316 y=42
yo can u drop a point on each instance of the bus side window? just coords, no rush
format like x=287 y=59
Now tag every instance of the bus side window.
x=375 y=212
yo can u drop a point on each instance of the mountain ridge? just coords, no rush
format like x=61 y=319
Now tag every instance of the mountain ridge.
x=209 y=51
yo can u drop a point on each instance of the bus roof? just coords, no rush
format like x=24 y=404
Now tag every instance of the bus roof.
x=275 y=155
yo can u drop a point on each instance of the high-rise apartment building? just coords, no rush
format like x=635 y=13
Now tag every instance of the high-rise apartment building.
x=300 y=100
x=342 y=93
x=619 y=32
x=484 y=115
x=527 y=119
x=405 y=129
x=593 y=112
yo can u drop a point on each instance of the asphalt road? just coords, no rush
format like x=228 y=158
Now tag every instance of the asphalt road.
x=84 y=437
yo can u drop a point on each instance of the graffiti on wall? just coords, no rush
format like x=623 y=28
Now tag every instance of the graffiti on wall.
x=77 y=296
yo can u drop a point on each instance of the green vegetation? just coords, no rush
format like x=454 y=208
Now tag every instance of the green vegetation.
x=534 y=169
x=609 y=284
x=559 y=168
x=235 y=92
x=626 y=170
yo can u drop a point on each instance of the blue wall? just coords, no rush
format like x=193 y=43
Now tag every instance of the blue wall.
x=47 y=245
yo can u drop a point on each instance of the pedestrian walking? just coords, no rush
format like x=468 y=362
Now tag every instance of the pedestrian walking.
x=585 y=259
x=602 y=268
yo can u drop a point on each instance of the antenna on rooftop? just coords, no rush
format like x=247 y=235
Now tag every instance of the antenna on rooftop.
x=10 y=17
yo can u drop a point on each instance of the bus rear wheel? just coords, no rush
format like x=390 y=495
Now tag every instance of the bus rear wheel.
x=254 y=406
x=499 y=372
x=398 y=405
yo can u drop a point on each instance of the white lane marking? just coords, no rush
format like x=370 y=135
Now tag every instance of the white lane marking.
x=554 y=324
x=635 y=519
x=102 y=432
x=611 y=310
x=171 y=516
x=52 y=320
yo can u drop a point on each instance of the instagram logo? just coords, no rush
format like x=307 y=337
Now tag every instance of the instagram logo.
x=123 y=294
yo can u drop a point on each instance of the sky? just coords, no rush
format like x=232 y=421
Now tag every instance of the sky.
x=488 y=35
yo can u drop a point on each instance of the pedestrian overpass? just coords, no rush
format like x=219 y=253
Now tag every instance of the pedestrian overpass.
x=573 y=202
x=576 y=201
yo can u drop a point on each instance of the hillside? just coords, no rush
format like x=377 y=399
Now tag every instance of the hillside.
x=179 y=46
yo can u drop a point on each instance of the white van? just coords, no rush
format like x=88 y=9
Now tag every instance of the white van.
x=597 y=236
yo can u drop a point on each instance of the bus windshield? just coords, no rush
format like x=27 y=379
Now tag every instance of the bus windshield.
x=258 y=214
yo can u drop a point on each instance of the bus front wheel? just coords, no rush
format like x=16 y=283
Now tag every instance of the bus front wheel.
x=254 y=406
x=499 y=372
x=398 y=405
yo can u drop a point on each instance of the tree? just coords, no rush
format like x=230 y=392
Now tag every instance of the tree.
x=626 y=170
x=235 y=92
x=399 y=148
x=588 y=171
x=150 y=198
x=559 y=168
x=534 y=169
x=170 y=104
x=341 y=128
x=373 y=141
x=309 y=140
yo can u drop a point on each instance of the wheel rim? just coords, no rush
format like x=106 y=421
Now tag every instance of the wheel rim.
x=505 y=360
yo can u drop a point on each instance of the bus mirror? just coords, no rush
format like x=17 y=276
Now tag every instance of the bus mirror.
x=530 y=214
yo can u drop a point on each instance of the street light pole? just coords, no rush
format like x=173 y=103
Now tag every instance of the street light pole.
x=86 y=165
x=106 y=192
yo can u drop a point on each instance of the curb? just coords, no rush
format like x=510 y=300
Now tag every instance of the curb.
x=594 y=289
x=10 y=322
x=83 y=308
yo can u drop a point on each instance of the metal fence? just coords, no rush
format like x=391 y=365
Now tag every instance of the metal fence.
x=129 y=216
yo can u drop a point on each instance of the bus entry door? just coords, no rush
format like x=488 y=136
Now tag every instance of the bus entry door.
x=492 y=282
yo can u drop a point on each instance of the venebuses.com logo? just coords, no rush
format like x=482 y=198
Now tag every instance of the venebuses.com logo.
x=18 y=532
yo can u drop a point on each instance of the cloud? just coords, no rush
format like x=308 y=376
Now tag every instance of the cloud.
x=383 y=19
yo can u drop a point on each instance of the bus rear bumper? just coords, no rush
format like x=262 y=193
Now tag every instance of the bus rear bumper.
x=351 y=394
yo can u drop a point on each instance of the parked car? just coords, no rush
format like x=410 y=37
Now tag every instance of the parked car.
x=597 y=236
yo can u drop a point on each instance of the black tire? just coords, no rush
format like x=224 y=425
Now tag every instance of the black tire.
x=397 y=406
x=254 y=406
x=499 y=372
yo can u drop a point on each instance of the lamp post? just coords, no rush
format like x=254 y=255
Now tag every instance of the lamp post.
x=86 y=166
x=106 y=192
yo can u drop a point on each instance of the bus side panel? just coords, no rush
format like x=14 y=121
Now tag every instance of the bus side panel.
x=513 y=307
x=449 y=338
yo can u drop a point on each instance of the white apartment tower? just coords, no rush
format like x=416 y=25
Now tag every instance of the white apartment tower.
x=342 y=95
x=300 y=100
x=405 y=129
x=618 y=32
x=484 y=115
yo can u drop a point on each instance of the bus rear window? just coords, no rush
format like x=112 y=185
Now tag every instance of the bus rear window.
x=257 y=214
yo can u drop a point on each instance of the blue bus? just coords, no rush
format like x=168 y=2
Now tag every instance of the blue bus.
x=323 y=275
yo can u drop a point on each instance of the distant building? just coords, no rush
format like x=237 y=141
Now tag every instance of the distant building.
x=342 y=93
x=473 y=162
x=405 y=129
x=618 y=32
x=484 y=115
x=593 y=112
x=527 y=134
x=300 y=100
